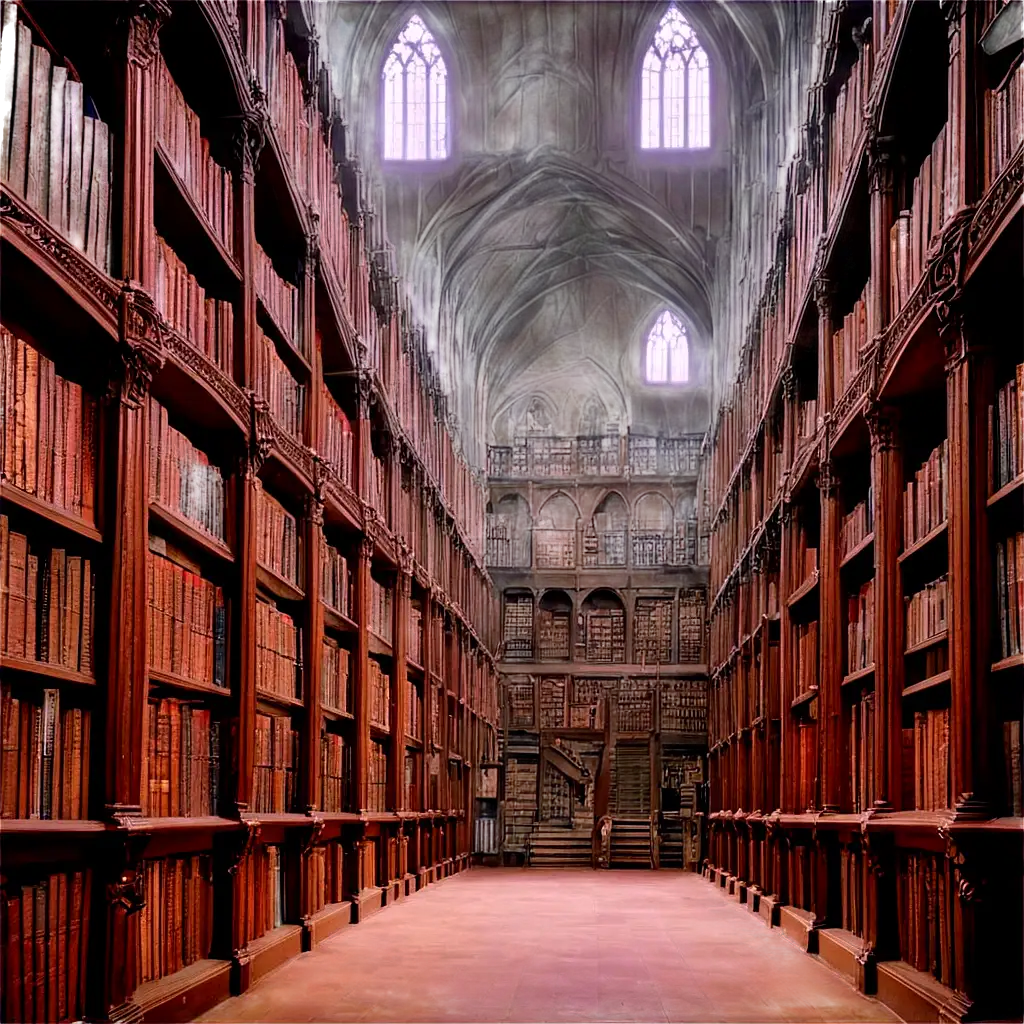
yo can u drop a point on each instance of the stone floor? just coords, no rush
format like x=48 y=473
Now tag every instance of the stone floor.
x=556 y=945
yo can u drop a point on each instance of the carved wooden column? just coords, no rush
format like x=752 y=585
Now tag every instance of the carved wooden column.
x=788 y=759
x=831 y=634
x=313 y=642
x=140 y=26
x=969 y=392
x=428 y=700
x=887 y=482
x=397 y=797
x=881 y=215
x=360 y=676
x=963 y=174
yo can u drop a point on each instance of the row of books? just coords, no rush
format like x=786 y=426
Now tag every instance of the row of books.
x=45 y=757
x=187 y=623
x=276 y=755
x=335 y=772
x=278 y=652
x=927 y=611
x=413 y=708
x=1010 y=594
x=181 y=477
x=181 y=773
x=380 y=695
x=326 y=873
x=1004 y=122
x=277 y=538
x=807 y=418
x=47 y=603
x=55 y=155
x=807 y=789
x=857 y=523
x=176 y=922
x=377 y=778
x=334 y=439
x=860 y=628
x=849 y=341
x=380 y=610
x=335 y=683
x=282 y=392
x=912 y=232
x=851 y=882
x=1005 y=434
x=604 y=636
x=924 y=905
x=179 y=131
x=206 y=322
x=1012 y=766
x=652 y=631
x=804 y=557
x=280 y=298
x=692 y=613
x=926 y=497
x=806 y=656
x=862 y=753
x=334 y=580
x=930 y=745
x=48 y=430
x=46 y=928
x=847 y=118
x=414 y=633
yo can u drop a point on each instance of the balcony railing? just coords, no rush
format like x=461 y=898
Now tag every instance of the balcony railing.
x=612 y=455
x=556 y=548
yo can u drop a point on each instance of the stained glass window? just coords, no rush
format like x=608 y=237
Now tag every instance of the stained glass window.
x=415 y=97
x=675 y=88
x=667 y=359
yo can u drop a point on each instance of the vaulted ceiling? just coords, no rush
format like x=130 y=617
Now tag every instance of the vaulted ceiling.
x=539 y=252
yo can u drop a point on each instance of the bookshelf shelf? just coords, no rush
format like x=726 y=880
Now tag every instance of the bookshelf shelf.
x=192 y=535
x=190 y=686
x=293 y=357
x=335 y=620
x=862 y=548
x=30 y=503
x=380 y=648
x=211 y=253
x=178 y=996
x=805 y=590
x=336 y=714
x=52 y=828
x=858 y=678
x=277 y=585
x=278 y=700
x=54 y=673
x=1013 y=663
x=926 y=684
x=801 y=700
x=379 y=732
x=1014 y=489
x=924 y=544
x=927 y=644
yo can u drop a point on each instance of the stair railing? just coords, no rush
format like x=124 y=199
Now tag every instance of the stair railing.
x=601 y=843
x=655 y=840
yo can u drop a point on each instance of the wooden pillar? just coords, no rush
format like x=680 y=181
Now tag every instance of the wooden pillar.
x=360 y=677
x=428 y=700
x=312 y=655
x=397 y=797
x=830 y=631
x=969 y=391
x=788 y=759
x=887 y=482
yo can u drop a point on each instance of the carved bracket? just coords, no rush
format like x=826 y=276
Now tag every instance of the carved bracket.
x=261 y=433
x=251 y=133
x=126 y=890
x=245 y=842
x=140 y=352
x=141 y=24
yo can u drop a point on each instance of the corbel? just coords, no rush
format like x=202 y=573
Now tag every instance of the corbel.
x=142 y=22
x=261 y=434
x=140 y=351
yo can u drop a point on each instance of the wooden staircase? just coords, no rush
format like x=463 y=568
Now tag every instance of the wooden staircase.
x=631 y=843
x=671 y=842
x=561 y=846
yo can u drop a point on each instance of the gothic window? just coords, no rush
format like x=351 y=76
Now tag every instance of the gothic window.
x=415 y=97
x=666 y=356
x=675 y=88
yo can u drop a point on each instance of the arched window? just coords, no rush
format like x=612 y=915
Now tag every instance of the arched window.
x=415 y=97
x=675 y=88
x=667 y=359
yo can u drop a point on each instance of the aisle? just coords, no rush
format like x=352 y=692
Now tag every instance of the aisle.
x=550 y=945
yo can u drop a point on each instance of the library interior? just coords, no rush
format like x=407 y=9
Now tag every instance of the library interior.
x=511 y=511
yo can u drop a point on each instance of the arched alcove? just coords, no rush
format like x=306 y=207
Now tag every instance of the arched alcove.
x=602 y=627
x=555 y=533
x=604 y=539
x=509 y=533
x=517 y=624
x=651 y=533
x=554 y=621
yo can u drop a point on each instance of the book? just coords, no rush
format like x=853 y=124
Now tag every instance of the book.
x=182 y=759
x=1009 y=584
x=334 y=437
x=926 y=496
x=926 y=612
x=277 y=538
x=335 y=773
x=278 y=652
x=280 y=298
x=336 y=685
x=652 y=631
x=1005 y=434
x=276 y=755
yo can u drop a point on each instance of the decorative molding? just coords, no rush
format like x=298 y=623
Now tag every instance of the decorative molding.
x=882 y=423
x=211 y=375
x=142 y=23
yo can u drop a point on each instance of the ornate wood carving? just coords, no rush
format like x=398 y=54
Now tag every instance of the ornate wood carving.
x=142 y=22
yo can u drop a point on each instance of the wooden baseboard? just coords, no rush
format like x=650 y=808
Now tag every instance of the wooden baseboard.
x=844 y=951
x=365 y=903
x=753 y=899
x=769 y=908
x=918 y=996
x=186 y=994
x=409 y=885
x=799 y=926
x=325 y=922
x=262 y=955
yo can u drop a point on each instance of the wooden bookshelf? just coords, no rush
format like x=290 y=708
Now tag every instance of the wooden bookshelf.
x=921 y=353
x=81 y=314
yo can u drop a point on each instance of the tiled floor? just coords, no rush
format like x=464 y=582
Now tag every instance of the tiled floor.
x=549 y=945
